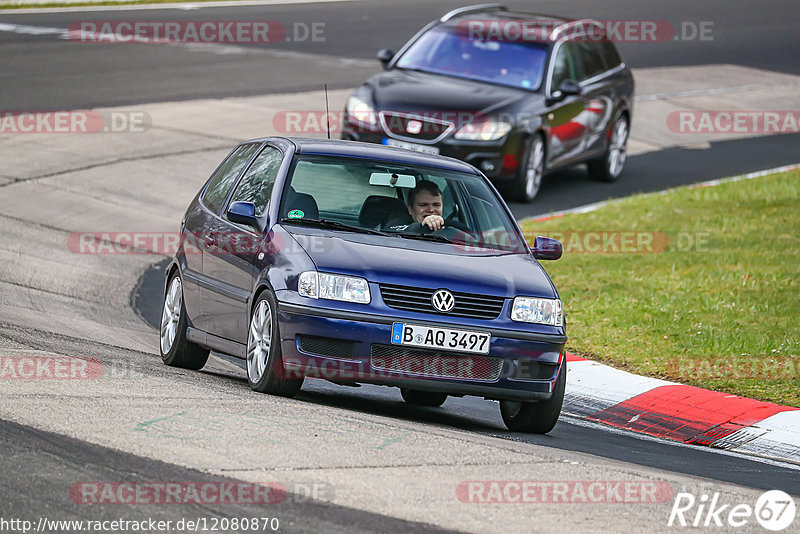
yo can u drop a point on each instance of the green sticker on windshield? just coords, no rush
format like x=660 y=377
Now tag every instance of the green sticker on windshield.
x=296 y=214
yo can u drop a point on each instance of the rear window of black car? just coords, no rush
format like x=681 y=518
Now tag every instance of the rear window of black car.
x=610 y=54
x=591 y=59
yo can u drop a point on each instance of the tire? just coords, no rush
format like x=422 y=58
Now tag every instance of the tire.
x=531 y=171
x=264 y=361
x=609 y=167
x=423 y=398
x=536 y=417
x=176 y=350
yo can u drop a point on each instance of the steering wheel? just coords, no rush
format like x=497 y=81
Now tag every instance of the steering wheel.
x=453 y=230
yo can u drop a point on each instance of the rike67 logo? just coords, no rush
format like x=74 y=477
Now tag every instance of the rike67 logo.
x=774 y=510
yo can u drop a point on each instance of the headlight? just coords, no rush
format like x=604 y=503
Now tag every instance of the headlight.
x=486 y=130
x=316 y=285
x=539 y=311
x=361 y=112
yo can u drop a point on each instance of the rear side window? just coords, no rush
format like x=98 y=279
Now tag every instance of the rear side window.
x=610 y=54
x=221 y=182
x=256 y=185
x=591 y=59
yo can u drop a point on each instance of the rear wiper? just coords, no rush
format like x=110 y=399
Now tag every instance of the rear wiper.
x=334 y=225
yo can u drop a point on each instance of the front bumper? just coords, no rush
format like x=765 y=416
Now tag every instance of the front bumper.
x=468 y=375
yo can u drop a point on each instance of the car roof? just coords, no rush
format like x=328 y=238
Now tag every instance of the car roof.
x=554 y=25
x=355 y=149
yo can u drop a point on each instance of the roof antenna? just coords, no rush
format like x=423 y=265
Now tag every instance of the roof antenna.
x=327 y=111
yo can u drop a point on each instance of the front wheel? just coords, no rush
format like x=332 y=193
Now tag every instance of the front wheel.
x=265 y=372
x=531 y=171
x=176 y=350
x=609 y=167
x=536 y=417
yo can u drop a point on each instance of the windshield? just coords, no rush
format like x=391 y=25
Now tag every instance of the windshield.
x=393 y=199
x=447 y=51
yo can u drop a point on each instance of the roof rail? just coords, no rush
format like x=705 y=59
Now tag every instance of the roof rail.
x=473 y=9
x=562 y=27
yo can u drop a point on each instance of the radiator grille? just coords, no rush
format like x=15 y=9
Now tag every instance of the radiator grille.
x=424 y=129
x=419 y=300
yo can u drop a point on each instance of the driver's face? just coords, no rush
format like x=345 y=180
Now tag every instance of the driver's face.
x=425 y=204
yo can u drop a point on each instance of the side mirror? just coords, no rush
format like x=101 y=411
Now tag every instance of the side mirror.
x=546 y=248
x=385 y=56
x=567 y=88
x=243 y=213
x=570 y=87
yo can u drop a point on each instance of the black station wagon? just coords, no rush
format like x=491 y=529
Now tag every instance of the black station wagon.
x=514 y=94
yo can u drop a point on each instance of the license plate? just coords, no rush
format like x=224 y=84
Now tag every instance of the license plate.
x=440 y=338
x=425 y=149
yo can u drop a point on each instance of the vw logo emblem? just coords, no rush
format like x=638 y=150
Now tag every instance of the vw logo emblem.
x=443 y=301
x=413 y=127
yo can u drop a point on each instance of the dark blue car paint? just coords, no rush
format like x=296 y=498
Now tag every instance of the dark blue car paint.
x=220 y=289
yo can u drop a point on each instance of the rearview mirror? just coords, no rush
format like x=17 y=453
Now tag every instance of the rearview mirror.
x=243 y=213
x=546 y=248
x=385 y=56
x=392 y=179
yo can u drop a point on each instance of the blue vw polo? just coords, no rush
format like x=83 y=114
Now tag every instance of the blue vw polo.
x=359 y=263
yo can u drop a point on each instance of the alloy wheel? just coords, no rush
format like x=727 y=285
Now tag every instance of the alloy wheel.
x=171 y=314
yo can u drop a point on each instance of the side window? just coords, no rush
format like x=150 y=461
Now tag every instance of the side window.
x=564 y=66
x=220 y=183
x=591 y=59
x=610 y=54
x=256 y=185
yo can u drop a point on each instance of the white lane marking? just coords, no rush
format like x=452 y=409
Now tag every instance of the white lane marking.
x=586 y=208
x=144 y=7
x=23 y=29
x=703 y=92
x=211 y=48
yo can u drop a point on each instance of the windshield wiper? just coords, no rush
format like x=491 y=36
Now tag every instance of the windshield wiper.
x=427 y=237
x=334 y=225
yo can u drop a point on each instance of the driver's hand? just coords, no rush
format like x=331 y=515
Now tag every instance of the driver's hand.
x=434 y=222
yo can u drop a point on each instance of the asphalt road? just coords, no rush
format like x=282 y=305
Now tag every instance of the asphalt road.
x=45 y=72
x=482 y=416
x=49 y=72
x=54 y=464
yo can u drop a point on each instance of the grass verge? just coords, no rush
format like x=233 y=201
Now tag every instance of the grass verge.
x=698 y=285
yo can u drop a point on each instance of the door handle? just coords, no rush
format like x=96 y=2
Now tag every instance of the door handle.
x=208 y=241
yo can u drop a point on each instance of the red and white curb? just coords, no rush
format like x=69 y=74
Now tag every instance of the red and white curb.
x=696 y=416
